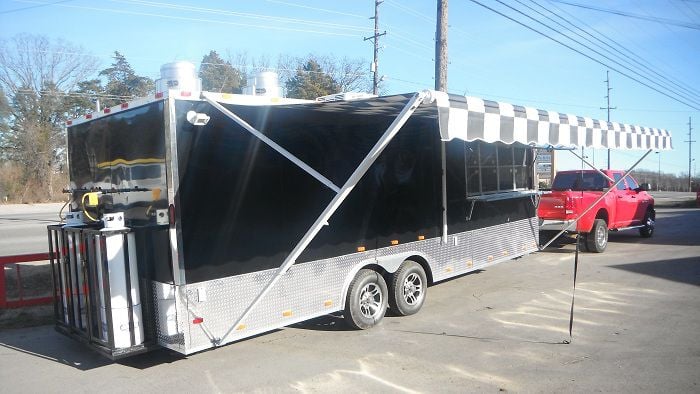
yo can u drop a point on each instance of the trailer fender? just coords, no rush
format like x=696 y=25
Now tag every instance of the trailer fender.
x=383 y=264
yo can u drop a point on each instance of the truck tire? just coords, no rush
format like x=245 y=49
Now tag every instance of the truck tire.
x=366 y=301
x=597 y=239
x=408 y=288
x=648 y=230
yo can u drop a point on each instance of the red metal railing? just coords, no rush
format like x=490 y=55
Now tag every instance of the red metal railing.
x=21 y=300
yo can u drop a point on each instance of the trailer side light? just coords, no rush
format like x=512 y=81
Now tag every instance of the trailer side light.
x=125 y=105
x=421 y=237
x=159 y=95
x=107 y=110
x=226 y=96
x=328 y=303
x=287 y=313
x=241 y=327
x=470 y=263
x=505 y=253
x=361 y=248
x=448 y=269
x=88 y=116
x=70 y=122
x=394 y=241
x=490 y=258
x=185 y=93
x=198 y=320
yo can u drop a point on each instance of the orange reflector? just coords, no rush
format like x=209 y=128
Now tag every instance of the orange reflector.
x=448 y=269
x=328 y=303
x=226 y=96
x=107 y=110
x=287 y=313
x=394 y=241
x=125 y=105
x=505 y=253
x=361 y=248
x=241 y=327
x=198 y=320
x=470 y=263
x=490 y=258
x=159 y=95
x=421 y=237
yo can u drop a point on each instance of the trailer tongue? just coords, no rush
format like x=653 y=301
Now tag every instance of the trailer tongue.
x=198 y=219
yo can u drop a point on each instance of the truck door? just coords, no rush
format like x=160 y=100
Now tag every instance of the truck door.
x=626 y=203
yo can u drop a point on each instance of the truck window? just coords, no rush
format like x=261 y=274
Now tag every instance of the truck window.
x=631 y=183
x=579 y=181
x=621 y=185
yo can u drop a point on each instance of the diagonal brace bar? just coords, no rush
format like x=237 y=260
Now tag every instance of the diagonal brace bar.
x=349 y=185
x=272 y=144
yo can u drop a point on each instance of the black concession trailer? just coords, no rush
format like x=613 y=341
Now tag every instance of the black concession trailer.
x=198 y=219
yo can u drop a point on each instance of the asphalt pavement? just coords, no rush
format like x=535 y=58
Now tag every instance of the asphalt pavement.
x=503 y=329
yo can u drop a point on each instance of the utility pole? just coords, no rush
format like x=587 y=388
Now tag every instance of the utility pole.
x=607 y=84
x=441 y=47
x=690 y=152
x=375 y=37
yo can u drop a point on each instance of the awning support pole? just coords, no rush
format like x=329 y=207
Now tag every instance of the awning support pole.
x=597 y=200
x=573 y=152
x=272 y=144
x=352 y=181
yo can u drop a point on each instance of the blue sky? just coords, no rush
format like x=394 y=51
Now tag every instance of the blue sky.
x=490 y=56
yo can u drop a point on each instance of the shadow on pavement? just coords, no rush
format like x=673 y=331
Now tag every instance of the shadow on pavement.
x=45 y=343
x=685 y=270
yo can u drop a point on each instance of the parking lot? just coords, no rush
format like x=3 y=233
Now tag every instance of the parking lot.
x=502 y=329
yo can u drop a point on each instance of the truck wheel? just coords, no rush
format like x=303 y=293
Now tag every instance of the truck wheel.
x=648 y=230
x=366 y=300
x=408 y=286
x=597 y=239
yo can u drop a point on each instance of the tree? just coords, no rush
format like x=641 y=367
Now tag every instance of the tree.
x=37 y=74
x=310 y=81
x=220 y=76
x=122 y=82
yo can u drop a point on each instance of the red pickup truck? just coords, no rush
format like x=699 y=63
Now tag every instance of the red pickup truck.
x=627 y=206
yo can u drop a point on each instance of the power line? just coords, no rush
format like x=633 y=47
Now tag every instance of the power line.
x=694 y=106
x=663 y=21
x=683 y=95
x=643 y=64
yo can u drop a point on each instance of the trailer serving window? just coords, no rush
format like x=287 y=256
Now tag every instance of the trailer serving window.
x=497 y=167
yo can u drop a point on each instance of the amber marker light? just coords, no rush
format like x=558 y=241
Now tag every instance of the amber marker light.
x=394 y=241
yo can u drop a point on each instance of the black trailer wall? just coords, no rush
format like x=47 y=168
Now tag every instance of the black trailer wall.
x=243 y=206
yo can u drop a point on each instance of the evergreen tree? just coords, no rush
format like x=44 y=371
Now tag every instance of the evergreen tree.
x=310 y=81
x=220 y=76
x=122 y=82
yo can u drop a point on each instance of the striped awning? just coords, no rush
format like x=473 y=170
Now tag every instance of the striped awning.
x=472 y=118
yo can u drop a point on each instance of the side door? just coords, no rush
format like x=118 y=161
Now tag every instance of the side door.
x=640 y=199
x=626 y=203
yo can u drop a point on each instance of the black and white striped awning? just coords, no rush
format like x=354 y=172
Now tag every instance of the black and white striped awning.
x=472 y=118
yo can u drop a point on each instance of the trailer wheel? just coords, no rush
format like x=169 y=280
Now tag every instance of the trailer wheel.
x=597 y=239
x=408 y=286
x=366 y=300
x=648 y=230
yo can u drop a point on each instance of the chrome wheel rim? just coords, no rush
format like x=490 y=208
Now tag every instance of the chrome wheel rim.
x=412 y=289
x=601 y=236
x=370 y=300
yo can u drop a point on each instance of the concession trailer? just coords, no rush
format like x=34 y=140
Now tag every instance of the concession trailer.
x=197 y=219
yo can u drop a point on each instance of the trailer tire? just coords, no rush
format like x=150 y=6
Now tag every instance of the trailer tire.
x=648 y=230
x=408 y=288
x=366 y=301
x=597 y=239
